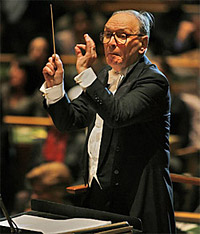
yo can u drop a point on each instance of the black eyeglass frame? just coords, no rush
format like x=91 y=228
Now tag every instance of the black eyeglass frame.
x=113 y=35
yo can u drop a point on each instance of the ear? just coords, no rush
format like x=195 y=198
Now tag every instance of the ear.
x=144 y=42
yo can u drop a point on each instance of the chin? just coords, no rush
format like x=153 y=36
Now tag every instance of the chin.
x=114 y=63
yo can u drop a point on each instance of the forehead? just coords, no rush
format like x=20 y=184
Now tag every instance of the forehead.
x=123 y=21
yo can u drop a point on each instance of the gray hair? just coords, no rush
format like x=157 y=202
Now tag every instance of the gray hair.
x=146 y=20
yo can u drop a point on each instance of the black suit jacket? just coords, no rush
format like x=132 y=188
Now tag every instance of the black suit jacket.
x=134 y=153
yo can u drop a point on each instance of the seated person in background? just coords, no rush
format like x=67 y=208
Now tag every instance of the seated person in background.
x=186 y=37
x=176 y=31
x=20 y=94
x=38 y=51
x=66 y=39
x=193 y=102
x=47 y=181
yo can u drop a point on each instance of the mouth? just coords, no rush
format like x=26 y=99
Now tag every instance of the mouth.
x=113 y=54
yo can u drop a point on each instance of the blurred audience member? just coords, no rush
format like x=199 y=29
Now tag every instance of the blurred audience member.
x=20 y=94
x=47 y=181
x=193 y=101
x=70 y=30
x=187 y=36
x=176 y=31
x=67 y=38
x=38 y=51
x=180 y=119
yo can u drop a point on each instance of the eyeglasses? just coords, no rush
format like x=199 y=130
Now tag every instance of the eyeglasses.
x=120 y=38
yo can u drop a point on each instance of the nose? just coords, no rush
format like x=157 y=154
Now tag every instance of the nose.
x=112 y=40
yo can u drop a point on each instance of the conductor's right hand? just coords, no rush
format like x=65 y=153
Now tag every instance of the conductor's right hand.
x=53 y=71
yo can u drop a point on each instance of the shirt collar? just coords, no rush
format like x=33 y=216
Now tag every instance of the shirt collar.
x=126 y=70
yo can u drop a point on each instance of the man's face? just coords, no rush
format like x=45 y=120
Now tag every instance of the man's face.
x=120 y=56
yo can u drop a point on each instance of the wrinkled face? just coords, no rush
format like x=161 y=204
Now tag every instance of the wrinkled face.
x=120 y=56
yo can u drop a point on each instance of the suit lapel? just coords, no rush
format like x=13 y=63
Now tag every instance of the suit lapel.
x=131 y=77
x=123 y=88
x=103 y=75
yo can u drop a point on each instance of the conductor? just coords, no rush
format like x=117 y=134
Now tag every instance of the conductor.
x=126 y=108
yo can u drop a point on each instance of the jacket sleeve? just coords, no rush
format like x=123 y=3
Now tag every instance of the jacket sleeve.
x=145 y=100
x=70 y=115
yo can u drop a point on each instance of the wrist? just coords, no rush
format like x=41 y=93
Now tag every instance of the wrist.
x=80 y=70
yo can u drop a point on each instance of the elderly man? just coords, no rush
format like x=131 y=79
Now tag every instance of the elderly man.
x=126 y=108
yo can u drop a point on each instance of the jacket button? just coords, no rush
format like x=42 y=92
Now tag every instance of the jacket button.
x=116 y=184
x=96 y=97
x=117 y=148
x=116 y=172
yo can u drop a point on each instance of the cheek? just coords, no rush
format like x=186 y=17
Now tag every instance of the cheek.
x=131 y=52
x=132 y=48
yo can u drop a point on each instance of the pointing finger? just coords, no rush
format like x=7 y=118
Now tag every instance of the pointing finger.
x=90 y=45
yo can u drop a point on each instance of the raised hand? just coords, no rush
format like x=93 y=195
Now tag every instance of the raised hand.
x=85 y=61
x=53 y=71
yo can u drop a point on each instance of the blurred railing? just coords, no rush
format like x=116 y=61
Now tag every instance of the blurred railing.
x=67 y=59
x=27 y=120
x=185 y=179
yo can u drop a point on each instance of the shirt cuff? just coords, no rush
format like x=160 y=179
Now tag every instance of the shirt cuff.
x=53 y=94
x=85 y=78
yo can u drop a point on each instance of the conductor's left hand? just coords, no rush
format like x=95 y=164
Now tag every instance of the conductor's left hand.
x=85 y=61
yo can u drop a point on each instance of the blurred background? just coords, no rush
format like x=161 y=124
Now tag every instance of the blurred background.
x=29 y=141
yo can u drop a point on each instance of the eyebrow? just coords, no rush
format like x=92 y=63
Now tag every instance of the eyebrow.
x=118 y=30
x=126 y=30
